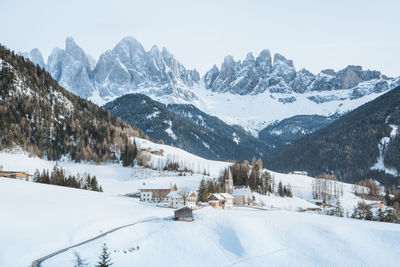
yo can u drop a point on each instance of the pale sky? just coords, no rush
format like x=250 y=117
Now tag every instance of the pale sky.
x=315 y=34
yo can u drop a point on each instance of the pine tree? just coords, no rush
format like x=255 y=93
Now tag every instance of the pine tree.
x=203 y=194
x=93 y=184
x=79 y=262
x=36 y=176
x=280 y=189
x=104 y=258
x=339 y=209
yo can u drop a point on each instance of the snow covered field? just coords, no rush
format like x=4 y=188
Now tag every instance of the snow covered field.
x=243 y=237
x=38 y=219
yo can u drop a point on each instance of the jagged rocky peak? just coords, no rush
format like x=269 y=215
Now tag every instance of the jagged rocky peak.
x=71 y=68
x=264 y=61
x=252 y=75
x=125 y=68
x=301 y=81
x=35 y=56
x=130 y=53
x=255 y=76
x=279 y=59
x=210 y=76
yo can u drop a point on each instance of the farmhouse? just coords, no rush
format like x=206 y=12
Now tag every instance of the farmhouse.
x=175 y=199
x=179 y=199
x=191 y=199
x=299 y=173
x=15 y=174
x=221 y=200
x=184 y=214
x=145 y=149
x=159 y=152
x=155 y=193
x=242 y=196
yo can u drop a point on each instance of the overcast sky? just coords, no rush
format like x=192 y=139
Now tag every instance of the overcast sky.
x=316 y=34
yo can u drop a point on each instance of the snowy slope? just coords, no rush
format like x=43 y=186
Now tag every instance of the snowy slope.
x=39 y=219
x=255 y=112
x=250 y=238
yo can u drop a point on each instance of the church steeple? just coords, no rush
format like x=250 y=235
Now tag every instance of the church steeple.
x=228 y=182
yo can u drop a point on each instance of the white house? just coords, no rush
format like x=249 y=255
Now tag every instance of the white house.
x=155 y=193
x=191 y=199
x=178 y=199
x=175 y=200
x=242 y=196
x=228 y=200
x=221 y=200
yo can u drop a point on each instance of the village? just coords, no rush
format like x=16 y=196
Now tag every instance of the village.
x=185 y=201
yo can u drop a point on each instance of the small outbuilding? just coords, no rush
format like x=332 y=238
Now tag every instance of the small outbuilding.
x=183 y=214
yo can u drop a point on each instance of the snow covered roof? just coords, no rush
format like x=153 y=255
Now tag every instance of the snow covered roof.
x=174 y=194
x=155 y=187
x=226 y=195
x=192 y=192
x=239 y=191
x=222 y=196
x=218 y=196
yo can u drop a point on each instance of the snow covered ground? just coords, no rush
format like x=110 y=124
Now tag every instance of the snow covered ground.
x=38 y=219
x=243 y=237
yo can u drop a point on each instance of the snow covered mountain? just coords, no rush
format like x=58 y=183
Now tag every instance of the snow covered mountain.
x=257 y=75
x=252 y=93
x=127 y=68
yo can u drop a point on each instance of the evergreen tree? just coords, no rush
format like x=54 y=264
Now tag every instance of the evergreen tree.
x=93 y=184
x=362 y=211
x=36 y=176
x=79 y=262
x=129 y=154
x=280 y=189
x=254 y=181
x=203 y=194
x=289 y=191
x=104 y=258
x=339 y=209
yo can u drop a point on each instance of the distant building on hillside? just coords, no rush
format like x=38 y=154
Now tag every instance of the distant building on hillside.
x=221 y=200
x=15 y=174
x=145 y=149
x=156 y=193
x=299 y=173
x=158 y=152
x=242 y=196
x=184 y=214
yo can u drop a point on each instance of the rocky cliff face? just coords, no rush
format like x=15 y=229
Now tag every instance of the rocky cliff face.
x=126 y=68
x=255 y=76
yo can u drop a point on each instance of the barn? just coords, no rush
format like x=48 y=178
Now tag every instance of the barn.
x=184 y=214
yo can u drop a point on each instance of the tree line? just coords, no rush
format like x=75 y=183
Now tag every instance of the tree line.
x=58 y=177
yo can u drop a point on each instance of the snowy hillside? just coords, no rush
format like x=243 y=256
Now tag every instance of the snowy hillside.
x=255 y=112
x=60 y=217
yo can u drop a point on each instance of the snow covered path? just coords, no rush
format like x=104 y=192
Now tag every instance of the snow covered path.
x=38 y=262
